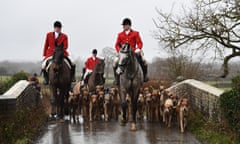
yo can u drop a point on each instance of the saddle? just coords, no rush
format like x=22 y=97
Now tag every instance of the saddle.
x=49 y=62
x=96 y=79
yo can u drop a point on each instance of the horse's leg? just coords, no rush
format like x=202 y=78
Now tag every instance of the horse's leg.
x=65 y=101
x=130 y=115
x=124 y=106
x=58 y=99
x=134 y=98
x=84 y=112
x=53 y=102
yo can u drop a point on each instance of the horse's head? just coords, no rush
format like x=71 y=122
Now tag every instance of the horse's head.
x=99 y=68
x=98 y=72
x=58 y=58
x=125 y=54
x=58 y=54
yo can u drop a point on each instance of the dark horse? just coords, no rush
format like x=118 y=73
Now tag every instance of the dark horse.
x=60 y=82
x=96 y=77
x=131 y=79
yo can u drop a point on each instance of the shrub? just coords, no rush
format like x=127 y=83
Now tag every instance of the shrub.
x=230 y=106
x=23 y=127
x=236 y=81
x=206 y=131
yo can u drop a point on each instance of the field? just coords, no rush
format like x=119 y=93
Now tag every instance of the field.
x=4 y=78
x=223 y=85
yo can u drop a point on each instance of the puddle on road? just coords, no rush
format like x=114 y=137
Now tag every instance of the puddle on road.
x=112 y=133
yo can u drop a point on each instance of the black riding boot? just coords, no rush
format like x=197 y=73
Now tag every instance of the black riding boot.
x=83 y=72
x=45 y=76
x=73 y=67
x=116 y=76
x=145 y=71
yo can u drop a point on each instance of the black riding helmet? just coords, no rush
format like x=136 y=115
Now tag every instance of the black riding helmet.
x=57 y=24
x=94 y=51
x=126 y=21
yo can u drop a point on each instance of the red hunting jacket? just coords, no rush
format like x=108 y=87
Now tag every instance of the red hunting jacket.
x=50 y=44
x=133 y=38
x=90 y=63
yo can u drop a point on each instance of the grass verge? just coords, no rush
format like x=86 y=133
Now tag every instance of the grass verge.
x=209 y=132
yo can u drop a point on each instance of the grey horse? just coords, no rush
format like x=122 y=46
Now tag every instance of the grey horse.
x=131 y=80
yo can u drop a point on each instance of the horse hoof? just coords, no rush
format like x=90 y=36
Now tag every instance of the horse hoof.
x=133 y=127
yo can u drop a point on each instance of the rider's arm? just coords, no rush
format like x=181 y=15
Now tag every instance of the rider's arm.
x=139 y=41
x=118 y=44
x=46 y=45
x=65 y=42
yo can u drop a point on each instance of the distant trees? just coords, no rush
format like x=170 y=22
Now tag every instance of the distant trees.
x=211 y=25
x=10 y=68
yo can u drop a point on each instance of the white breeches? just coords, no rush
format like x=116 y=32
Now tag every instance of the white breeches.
x=44 y=63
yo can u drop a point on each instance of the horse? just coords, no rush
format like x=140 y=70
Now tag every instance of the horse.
x=60 y=82
x=131 y=80
x=96 y=77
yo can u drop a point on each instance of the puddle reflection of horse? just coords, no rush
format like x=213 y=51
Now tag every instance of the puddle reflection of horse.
x=131 y=79
x=60 y=83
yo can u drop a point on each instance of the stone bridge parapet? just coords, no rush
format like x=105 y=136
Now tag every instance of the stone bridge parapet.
x=201 y=96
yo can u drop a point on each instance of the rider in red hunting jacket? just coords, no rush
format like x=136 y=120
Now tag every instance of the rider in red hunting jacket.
x=90 y=65
x=132 y=37
x=53 y=39
x=128 y=35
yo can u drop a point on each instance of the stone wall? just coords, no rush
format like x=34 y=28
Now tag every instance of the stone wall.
x=20 y=96
x=201 y=96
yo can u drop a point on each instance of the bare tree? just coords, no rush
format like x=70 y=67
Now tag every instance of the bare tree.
x=209 y=25
x=179 y=63
x=157 y=69
x=108 y=53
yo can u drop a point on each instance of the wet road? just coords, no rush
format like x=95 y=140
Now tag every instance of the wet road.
x=112 y=133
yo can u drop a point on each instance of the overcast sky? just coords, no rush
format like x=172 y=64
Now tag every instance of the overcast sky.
x=89 y=24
